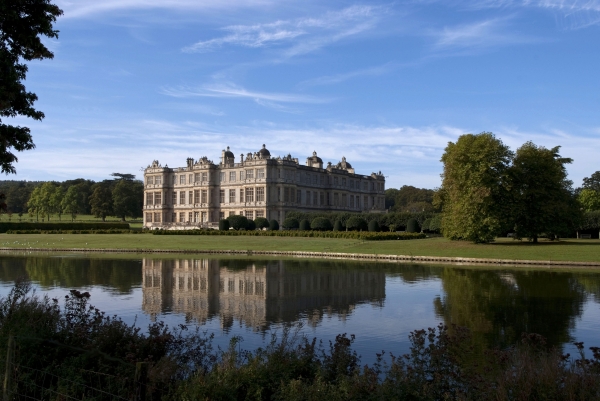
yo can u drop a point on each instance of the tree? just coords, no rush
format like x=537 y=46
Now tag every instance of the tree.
x=592 y=182
x=71 y=202
x=55 y=201
x=412 y=199
x=542 y=196
x=238 y=222
x=41 y=200
x=473 y=192
x=357 y=223
x=390 y=197
x=290 y=223
x=22 y=23
x=121 y=176
x=127 y=199
x=101 y=201
x=589 y=199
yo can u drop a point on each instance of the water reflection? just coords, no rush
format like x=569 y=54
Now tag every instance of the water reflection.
x=498 y=306
x=256 y=293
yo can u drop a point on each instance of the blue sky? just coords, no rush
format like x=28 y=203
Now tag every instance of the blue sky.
x=385 y=84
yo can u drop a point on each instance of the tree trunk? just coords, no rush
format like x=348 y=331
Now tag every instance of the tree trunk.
x=535 y=239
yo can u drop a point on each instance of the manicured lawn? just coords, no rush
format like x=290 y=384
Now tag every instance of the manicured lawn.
x=572 y=250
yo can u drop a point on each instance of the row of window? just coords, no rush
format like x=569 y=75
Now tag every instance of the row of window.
x=305 y=178
x=200 y=217
x=203 y=196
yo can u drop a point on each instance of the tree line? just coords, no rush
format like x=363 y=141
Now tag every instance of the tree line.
x=121 y=197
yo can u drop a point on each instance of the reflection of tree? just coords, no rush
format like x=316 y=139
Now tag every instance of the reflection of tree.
x=12 y=268
x=70 y=272
x=499 y=306
x=591 y=283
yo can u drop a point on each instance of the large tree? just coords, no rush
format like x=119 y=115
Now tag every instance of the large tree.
x=101 y=201
x=72 y=202
x=128 y=198
x=473 y=191
x=22 y=24
x=542 y=196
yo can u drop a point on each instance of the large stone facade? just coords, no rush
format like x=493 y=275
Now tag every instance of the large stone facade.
x=258 y=185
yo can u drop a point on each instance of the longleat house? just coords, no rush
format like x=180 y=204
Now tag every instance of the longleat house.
x=258 y=185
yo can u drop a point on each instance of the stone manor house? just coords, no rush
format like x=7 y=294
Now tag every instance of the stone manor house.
x=258 y=185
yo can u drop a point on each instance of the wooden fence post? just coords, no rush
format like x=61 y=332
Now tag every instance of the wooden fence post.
x=8 y=373
x=141 y=379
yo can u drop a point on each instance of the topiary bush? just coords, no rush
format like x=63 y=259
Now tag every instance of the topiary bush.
x=412 y=226
x=273 y=225
x=373 y=226
x=337 y=226
x=251 y=225
x=223 y=225
x=290 y=223
x=238 y=222
x=356 y=223
x=304 y=225
x=261 y=223
x=321 y=224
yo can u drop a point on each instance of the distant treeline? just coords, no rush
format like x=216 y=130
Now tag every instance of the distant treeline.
x=121 y=197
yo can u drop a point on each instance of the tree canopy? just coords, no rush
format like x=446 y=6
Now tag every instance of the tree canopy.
x=473 y=187
x=22 y=24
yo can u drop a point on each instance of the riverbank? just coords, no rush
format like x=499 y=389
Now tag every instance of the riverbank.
x=503 y=251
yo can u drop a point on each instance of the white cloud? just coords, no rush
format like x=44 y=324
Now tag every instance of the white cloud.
x=89 y=8
x=335 y=79
x=234 y=91
x=304 y=34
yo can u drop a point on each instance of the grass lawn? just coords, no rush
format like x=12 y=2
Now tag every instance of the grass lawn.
x=570 y=249
x=66 y=218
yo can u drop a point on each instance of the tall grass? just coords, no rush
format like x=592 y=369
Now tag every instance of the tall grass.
x=441 y=363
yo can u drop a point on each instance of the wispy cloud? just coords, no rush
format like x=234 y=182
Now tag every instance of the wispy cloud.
x=88 y=8
x=234 y=91
x=301 y=35
x=478 y=35
x=337 y=78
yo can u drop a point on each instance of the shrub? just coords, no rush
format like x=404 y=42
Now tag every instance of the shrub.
x=304 y=225
x=412 y=226
x=251 y=225
x=223 y=225
x=290 y=223
x=435 y=224
x=425 y=225
x=261 y=223
x=373 y=226
x=238 y=222
x=356 y=223
x=337 y=226
x=273 y=225
x=321 y=224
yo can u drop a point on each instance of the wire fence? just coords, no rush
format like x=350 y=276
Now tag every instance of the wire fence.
x=66 y=383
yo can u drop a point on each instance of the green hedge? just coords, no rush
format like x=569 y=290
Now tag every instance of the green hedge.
x=5 y=226
x=366 y=236
x=110 y=231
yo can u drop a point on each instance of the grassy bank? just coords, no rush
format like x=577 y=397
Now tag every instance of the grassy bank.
x=565 y=250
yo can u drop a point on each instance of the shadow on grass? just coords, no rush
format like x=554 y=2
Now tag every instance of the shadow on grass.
x=543 y=243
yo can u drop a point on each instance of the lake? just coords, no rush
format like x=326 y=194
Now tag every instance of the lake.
x=380 y=303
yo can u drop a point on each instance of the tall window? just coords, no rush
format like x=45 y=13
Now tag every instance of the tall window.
x=174 y=198
x=182 y=217
x=286 y=194
x=157 y=198
x=190 y=178
x=298 y=196
x=204 y=177
x=335 y=181
x=150 y=181
x=351 y=201
x=232 y=196
x=351 y=183
x=336 y=199
x=315 y=200
x=182 y=198
x=366 y=202
x=157 y=217
x=197 y=196
x=148 y=217
x=232 y=176
x=191 y=197
x=204 y=196
x=260 y=194
x=241 y=194
x=322 y=198
x=197 y=177
x=308 y=197
x=190 y=216
x=260 y=213
x=149 y=198
x=249 y=174
x=222 y=196
x=344 y=200
x=182 y=179
x=343 y=182
x=158 y=180
x=222 y=177
x=260 y=173
x=249 y=214
x=249 y=194
x=241 y=175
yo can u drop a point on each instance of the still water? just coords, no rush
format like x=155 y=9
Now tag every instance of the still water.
x=380 y=303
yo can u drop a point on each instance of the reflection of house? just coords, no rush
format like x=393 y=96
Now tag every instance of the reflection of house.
x=257 y=294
